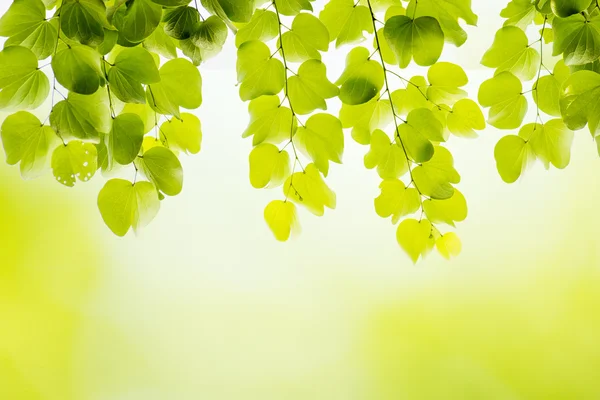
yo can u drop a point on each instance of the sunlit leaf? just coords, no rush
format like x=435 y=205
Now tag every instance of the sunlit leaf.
x=396 y=200
x=346 y=22
x=27 y=141
x=309 y=88
x=413 y=236
x=362 y=78
x=308 y=189
x=503 y=94
x=322 y=140
x=281 y=217
x=75 y=160
x=183 y=135
x=124 y=205
x=258 y=73
x=420 y=39
x=22 y=85
x=269 y=166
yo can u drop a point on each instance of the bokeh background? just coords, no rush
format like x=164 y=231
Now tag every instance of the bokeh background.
x=205 y=304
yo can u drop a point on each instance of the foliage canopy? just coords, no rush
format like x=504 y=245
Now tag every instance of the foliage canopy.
x=125 y=71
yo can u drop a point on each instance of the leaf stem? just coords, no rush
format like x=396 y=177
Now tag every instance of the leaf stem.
x=294 y=116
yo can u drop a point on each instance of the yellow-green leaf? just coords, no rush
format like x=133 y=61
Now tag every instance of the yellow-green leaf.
x=322 y=140
x=503 y=94
x=513 y=156
x=414 y=236
x=27 y=141
x=388 y=157
x=307 y=188
x=183 y=134
x=124 y=205
x=258 y=73
x=269 y=121
x=269 y=166
x=308 y=89
x=448 y=245
x=76 y=160
x=281 y=217
x=396 y=200
x=511 y=52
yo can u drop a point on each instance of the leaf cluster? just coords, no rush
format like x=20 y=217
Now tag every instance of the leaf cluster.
x=547 y=53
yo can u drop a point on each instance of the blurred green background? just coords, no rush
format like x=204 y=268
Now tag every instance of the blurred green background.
x=205 y=304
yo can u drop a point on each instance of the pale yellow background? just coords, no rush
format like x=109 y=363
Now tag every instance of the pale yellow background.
x=205 y=304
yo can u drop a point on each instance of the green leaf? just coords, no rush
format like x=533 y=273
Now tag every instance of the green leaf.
x=234 y=10
x=308 y=189
x=513 y=156
x=25 y=25
x=146 y=114
x=503 y=94
x=78 y=69
x=269 y=166
x=547 y=91
x=447 y=12
x=269 y=121
x=81 y=117
x=263 y=26
x=426 y=124
x=27 y=141
x=124 y=205
x=434 y=178
x=84 y=21
x=308 y=89
x=519 y=13
x=281 y=217
x=565 y=8
x=511 y=52
x=414 y=139
x=209 y=37
x=465 y=118
x=580 y=104
x=137 y=19
x=110 y=41
x=181 y=22
x=180 y=86
x=321 y=140
x=346 y=22
x=132 y=68
x=158 y=42
x=76 y=160
x=163 y=168
x=366 y=118
x=388 y=157
x=552 y=143
x=396 y=200
x=293 y=7
x=577 y=38
x=445 y=80
x=414 y=237
x=447 y=211
x=414 y=96
x=258 y=73
x=421 y=39
x=125 y=138
x=362 y=78
x=448 y=245
x=172 y=3
x=182 y=135
x=307 y=37
x=389 y=57
x=22 y=85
